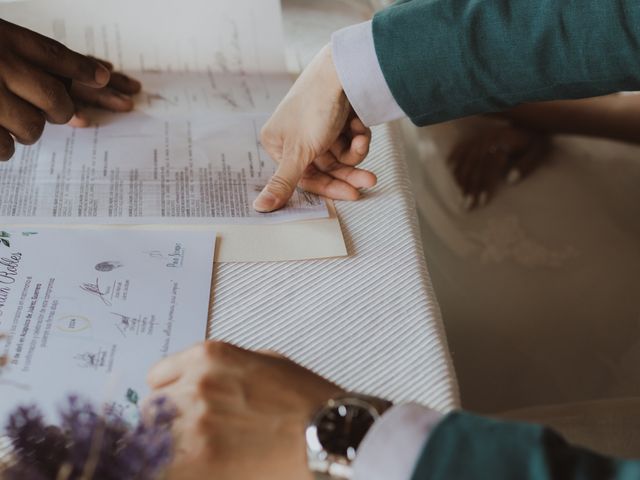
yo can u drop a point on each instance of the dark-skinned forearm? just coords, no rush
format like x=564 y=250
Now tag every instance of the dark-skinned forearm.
x=616 y=117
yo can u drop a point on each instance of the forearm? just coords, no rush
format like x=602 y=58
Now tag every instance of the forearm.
x=469 y=447
x=444 y=59
x=616 y=117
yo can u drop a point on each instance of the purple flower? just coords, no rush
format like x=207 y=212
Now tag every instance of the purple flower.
x=89 y=445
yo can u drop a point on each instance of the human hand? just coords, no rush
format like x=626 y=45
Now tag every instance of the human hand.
x=507 y=153
x=115 y=96
x=316 y=139
x=35 y=77
x=241 y=414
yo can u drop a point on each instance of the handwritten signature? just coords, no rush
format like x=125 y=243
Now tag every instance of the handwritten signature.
x=123 y=324
x=94 y=289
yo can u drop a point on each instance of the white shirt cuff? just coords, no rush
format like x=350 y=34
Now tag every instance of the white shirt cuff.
x=354 y=55
x=391 y=449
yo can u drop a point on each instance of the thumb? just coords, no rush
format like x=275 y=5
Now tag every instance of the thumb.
x=282 y=185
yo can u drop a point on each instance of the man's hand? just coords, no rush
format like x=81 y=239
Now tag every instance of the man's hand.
x=241 y=414
x=37 y=76
x=316 y=139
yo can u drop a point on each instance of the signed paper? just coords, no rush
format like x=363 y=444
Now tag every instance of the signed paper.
x=226 y=36
x=89 y=311
x=212 y=72
x=183 y=170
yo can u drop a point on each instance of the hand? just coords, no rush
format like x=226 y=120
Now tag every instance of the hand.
x=481 y=163
x=35 y=76
x=316 y=139
x=241 y=414
x=116 y=96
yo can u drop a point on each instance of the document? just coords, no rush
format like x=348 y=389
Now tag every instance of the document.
x=212 y=71
x=226 y=36
x=137 y=168
x=89 y=311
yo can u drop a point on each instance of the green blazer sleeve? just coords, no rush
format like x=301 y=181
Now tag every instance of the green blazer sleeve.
x=466 y=447
x=444 y=59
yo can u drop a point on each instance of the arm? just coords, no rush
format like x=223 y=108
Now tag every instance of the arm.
x=440 y=60
x=467 y=447
x=242 y=414
x=616 y=117
x=444 y=59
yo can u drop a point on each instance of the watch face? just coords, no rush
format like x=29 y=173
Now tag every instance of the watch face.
x=340 y=428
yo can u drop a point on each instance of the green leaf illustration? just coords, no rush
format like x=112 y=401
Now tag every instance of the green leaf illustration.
x=5 y=241
x=132 y=396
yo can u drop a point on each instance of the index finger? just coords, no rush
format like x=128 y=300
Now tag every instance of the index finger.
x=55 y=58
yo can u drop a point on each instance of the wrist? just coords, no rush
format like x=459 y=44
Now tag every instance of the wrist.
x=330 y=73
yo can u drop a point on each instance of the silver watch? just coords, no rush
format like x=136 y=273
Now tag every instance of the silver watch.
x=336 y=431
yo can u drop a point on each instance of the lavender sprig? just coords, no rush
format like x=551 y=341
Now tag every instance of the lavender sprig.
x=88 y=445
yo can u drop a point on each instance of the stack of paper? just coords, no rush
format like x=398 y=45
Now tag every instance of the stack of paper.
x=190 y=154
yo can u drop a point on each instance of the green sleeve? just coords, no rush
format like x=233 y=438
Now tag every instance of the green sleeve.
x=445 y=59
x=466 y=447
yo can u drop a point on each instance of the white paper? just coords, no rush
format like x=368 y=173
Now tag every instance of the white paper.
x=188 y=93
x=212 y=71
x=90 y=311
x=227 y=36
x=140 y=169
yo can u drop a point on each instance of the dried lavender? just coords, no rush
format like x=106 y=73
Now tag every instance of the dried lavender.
x=88 y=445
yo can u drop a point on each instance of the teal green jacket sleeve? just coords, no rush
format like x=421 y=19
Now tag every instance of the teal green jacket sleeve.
x=467 y=447
x=444 y=59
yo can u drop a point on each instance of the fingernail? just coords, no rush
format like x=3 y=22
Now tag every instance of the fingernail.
x=514 y=176
x=361 y=150
x=102 y=75
x=135 y=84
x=468 y=202
x=266 y=202
x=482 y=200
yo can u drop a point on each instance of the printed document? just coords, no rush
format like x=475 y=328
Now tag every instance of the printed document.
x=212 y=71
x=89 y=311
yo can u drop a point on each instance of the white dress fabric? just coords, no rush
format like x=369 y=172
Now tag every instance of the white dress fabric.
x=539 y=289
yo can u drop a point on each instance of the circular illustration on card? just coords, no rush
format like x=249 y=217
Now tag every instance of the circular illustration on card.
x=73 y=324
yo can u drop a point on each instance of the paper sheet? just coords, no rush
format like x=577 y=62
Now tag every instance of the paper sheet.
x=90 y=311
x=134 y=168
x=226 y=36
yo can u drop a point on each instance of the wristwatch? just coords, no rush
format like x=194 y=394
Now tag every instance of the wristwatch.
x=336 y=431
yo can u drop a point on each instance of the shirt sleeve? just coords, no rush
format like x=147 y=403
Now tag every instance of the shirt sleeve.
x=355 y=58
x=445 y=59
x=393 y=446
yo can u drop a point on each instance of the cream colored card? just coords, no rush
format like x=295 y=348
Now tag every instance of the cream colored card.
x=304 y=240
